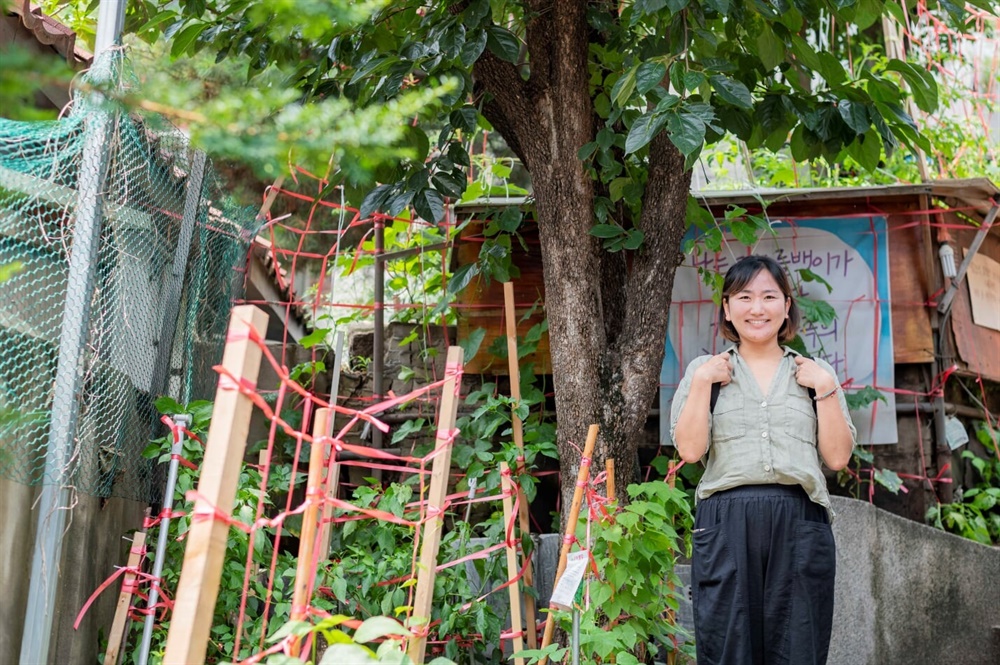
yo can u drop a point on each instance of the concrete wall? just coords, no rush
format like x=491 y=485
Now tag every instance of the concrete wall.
x=908 y=593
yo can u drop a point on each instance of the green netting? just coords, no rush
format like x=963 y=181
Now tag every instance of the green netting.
x=136 y=287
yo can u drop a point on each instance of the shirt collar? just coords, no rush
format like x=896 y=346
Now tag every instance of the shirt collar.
x=786 y=350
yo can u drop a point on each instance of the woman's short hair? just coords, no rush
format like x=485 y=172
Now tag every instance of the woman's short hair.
x=742 y=273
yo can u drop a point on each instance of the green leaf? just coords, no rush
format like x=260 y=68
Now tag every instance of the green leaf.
x=807 y=275
x=643 y=130
x=317 y=336
x=831 y=69
x=866 y=150
x=805 y=53
x=687 y=132
x=889 y=480
x=509 y=220
x=697 y=215
x=465 y=118
x=816 y=311
x=922 y=84
x=855 y=114
x=731 y=90
x=168 y=406
x=461 y=277
x=473 y=48
x=374 y=200
x=649 y=75
x=623 y=88
x=449 y=184
x=502 y=43
x=184 y=39
x=471 y=343
x=338 y=654
x=376 y=627
x=429 y=205
x=860 y=399
x=770 y=49
x=744 y=232
x=606 y=230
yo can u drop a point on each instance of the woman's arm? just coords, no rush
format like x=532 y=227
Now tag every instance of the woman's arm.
x=690 y=412
x=836 y=434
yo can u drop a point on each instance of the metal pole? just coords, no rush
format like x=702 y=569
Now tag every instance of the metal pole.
x=378 y=343
x=53 y=502
x=176 y=450
x=175 y=285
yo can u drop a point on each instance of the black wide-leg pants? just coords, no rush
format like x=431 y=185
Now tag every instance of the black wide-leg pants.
x=762 y=577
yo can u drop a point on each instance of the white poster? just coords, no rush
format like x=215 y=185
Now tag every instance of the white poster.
x=851 y=255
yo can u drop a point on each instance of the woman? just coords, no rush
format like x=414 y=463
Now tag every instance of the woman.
x=764 y=556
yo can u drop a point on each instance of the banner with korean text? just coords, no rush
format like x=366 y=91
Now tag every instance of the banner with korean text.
x=850 y=254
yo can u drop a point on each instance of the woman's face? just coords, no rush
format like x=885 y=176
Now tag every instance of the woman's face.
x=758 y=311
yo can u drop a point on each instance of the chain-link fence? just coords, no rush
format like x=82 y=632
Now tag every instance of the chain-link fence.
x=163 y=273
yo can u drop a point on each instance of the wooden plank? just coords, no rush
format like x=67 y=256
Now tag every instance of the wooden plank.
x=517 y=643
x=307 y=536
x=198 y=589
x=480 y=304
x=117 y=634
x=909 y=280
x=524 y=520
x=976 y=345
x=570 y=530
x=440 y=470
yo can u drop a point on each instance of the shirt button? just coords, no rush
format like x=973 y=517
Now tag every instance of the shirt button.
x=767 y=467
x=764 y=434
x=763 y=404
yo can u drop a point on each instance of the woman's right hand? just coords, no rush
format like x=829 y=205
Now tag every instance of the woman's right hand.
x=717 y=370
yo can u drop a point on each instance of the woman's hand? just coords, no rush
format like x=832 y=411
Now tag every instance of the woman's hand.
x=811 y=375
x=716 y=370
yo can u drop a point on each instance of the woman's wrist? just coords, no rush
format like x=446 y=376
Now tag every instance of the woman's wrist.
x=828 y=393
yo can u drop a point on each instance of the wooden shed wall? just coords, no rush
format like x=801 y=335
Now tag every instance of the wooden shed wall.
x=913 y=271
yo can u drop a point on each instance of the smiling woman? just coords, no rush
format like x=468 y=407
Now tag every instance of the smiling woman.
x=762 y=526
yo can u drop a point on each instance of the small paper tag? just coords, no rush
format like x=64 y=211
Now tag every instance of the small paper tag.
x=954 y=432
x=565 y=591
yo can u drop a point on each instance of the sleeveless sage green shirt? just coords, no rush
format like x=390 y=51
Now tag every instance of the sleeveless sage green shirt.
x=757 y=439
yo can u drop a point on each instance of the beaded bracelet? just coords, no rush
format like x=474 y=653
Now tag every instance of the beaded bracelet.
x=825 y=395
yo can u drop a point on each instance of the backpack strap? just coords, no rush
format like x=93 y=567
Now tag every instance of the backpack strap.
x=717 y=387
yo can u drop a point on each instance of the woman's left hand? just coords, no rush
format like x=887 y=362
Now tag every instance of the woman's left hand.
x=811 y=375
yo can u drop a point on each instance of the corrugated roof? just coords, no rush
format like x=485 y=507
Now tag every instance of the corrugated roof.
x=979 y=193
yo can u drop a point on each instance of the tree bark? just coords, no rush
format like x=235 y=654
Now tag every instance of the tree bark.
x=607 y=318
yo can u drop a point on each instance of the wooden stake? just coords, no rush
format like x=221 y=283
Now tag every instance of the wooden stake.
x=524 y=521
x=421 y=616
x=117 y=634
x=307 y=536
x=331 y=485
x=517 y=644
x=570 y=531
x=198 y=589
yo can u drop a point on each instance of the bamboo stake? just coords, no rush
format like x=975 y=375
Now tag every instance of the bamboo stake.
x=570 y=531
x=117 y=634
x=517 y=644
x=524 y=522
x=307 y=536
x=421 y=616
x=198 y=589
x=609 y=469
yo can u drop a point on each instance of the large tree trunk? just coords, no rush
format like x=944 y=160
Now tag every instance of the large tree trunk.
x=607 y=317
